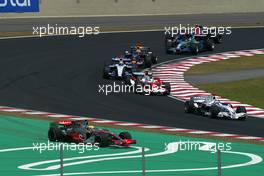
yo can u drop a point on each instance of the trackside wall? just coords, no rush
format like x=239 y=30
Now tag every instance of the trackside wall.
x=141 y=7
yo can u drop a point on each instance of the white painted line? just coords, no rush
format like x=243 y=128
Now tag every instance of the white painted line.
x=151 y=126
x=200 y=132
x=249 y=137
x=176 y=129
x=129 y=124
x=81 y=118
x=224 y=135
x=36 y=113
x=59 y=116
x=14 y=110
x=104 y=121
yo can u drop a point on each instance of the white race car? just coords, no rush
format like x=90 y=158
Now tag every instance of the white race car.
x=210 y=106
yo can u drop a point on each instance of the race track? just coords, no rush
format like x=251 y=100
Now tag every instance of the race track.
x=62 y=74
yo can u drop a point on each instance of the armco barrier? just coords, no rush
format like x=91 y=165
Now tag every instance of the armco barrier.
x=141 y=7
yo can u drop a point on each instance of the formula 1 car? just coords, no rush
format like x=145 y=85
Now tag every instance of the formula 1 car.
x=210 y=106
x=148 y=85
x=79 y=132
x=118 y=69
x=142 y=55
x=189 y=44
x=173 y=41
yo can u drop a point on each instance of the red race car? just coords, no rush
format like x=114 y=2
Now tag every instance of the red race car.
x=146 y=84
x=80 y=132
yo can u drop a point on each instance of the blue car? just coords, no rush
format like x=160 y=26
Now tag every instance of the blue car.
x=191 y=44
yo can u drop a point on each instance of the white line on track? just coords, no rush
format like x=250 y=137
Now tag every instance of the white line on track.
x=170 y=149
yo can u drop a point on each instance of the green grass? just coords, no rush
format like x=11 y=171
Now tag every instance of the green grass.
x=21 y=132
x=235 y=64
x=249 y=91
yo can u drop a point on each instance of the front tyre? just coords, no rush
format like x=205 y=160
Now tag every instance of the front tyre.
x=54 y=134
x=167 y=88
x=125 y=135
x=195 y=50
x=102 y=140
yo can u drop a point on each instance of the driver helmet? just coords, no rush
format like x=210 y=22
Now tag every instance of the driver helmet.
x=134 y=61
x=138 y=50
x=121 y=62
x=91 y=127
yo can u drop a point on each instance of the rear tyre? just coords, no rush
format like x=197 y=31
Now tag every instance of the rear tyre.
x=125 y=135
x=105 y=72
x=213 y=112
x=187 y=107
x=147 y=62
x=102 y=140
x=218 y=39
x=154 y=59
x=127 y=80
x=210 y=45
x=195 y=50
x=139 y=88
x=241 y=109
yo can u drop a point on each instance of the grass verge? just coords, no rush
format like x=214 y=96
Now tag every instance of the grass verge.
x=241 y=63
x=249 y=91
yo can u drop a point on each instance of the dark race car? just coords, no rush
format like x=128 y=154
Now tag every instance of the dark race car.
x=212 y=36
x=80 y=132
x=142 y=55
x=189 y=44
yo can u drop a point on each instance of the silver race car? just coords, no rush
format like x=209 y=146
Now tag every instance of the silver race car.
x=119 y=69
x=211 y=107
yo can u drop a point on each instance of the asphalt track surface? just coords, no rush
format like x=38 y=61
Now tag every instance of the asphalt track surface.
x=143 y=22
x=228 y=76
x=62 y=74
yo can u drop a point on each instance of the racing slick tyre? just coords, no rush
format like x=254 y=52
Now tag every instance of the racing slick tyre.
x=195 y=50
x=54 y=134
x=105 y=72
x=125 y=135
x=188 y=107
x=213 y=112
x=102 y=140
x=154 y=59
x=243 y=118
x=127 y=80
x=147 y=62
x=218 y=39
x=167 y=88
x=210 y=45
x=139 y=88
x=241 y=109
